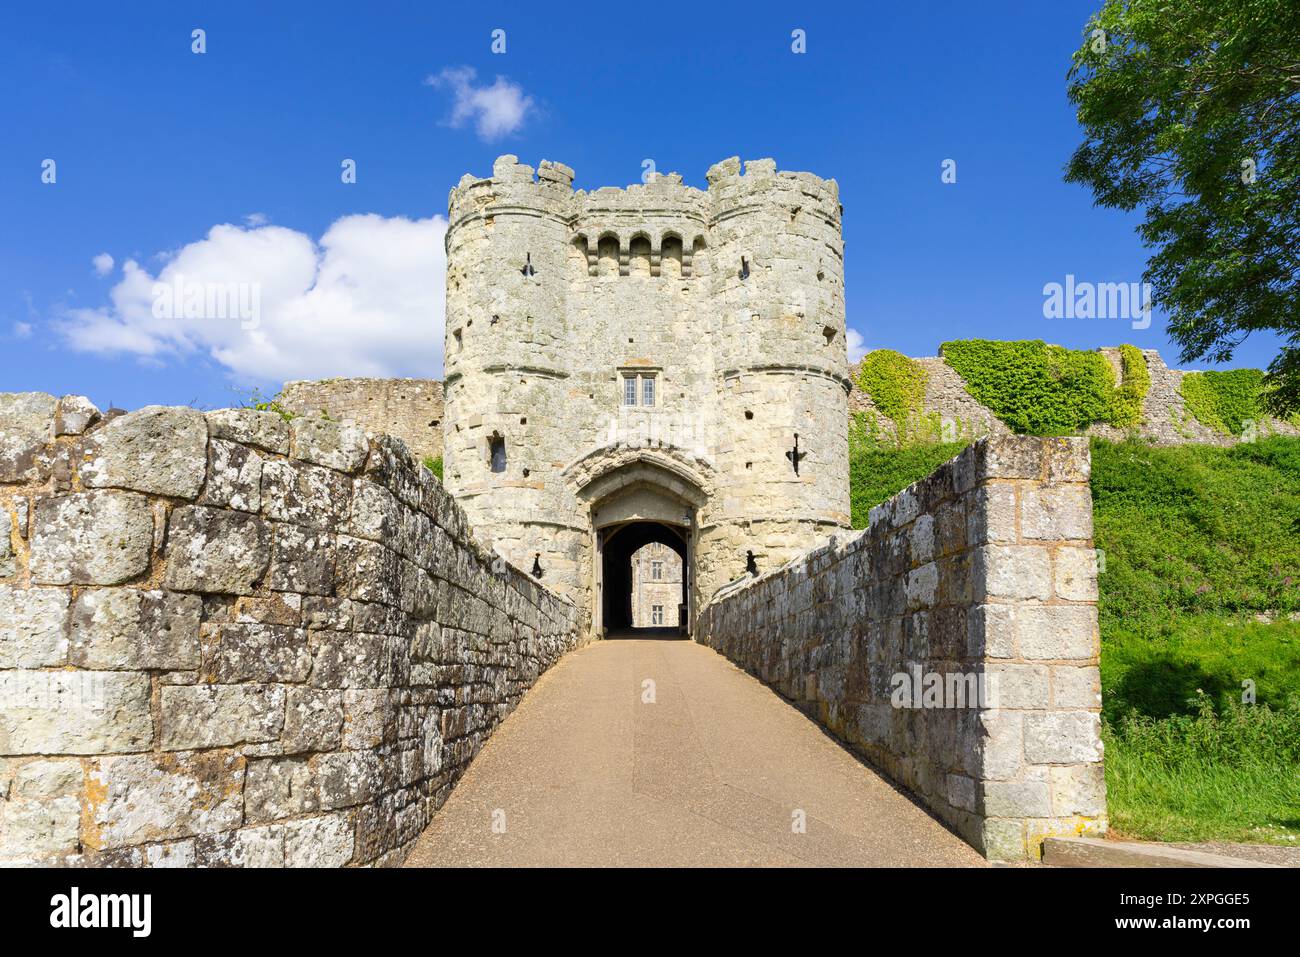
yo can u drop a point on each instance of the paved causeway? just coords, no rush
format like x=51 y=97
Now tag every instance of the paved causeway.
x=710 y=774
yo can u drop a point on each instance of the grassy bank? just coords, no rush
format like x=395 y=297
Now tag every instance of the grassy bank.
x=1201 y=575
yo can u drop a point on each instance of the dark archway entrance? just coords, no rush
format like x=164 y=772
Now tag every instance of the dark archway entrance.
x=618 y=543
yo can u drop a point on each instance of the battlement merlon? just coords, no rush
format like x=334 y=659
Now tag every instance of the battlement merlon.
x=549 y=190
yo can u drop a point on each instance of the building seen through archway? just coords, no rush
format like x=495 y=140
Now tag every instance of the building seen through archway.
x=656 y=586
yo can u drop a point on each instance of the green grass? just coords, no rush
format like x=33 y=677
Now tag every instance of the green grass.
x=1197 y=541
x=1227 y=774
x=433 y=465
x=876 y=472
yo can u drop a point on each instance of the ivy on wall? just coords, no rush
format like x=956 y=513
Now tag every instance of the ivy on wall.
x=1126 y=404
x=1042 y=389
x=896 y=385
x=1224 y=401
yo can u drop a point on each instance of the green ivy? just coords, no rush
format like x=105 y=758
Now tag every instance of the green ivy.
x=1224 y=401
x=1126 y=404
x=896 y=385
x=1041 y=389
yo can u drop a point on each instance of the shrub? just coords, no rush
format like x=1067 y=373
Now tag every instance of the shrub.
x=1126 y=403
x=433 y=465
x=1225 y=400
x=1036 y=388
x=896 y=385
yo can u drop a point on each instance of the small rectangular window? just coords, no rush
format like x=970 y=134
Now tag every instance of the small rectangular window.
x=629 y=390
x=656 y=614
x=648 y=390
x=657 y=570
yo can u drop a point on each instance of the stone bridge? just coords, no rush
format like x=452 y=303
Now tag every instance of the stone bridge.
x=227 y=639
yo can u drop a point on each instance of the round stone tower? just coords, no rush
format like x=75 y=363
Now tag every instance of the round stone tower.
x=656 y=363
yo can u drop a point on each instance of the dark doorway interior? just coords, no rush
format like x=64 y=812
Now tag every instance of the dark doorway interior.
x=618 y=544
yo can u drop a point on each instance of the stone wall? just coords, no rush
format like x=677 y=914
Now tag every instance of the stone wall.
x=228 y=640
x=1165 y=417
x=984 y=571
x=407 y=409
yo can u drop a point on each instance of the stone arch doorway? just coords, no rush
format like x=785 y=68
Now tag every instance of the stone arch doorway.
x=617 y=545
x=638 y=497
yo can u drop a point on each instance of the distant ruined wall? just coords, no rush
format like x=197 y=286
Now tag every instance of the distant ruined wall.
x=407 y=409
x=1165 y=417
x=982 y=573
x=228 y=640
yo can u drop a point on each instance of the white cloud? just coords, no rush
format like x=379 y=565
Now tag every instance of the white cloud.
x=497 y=110
x=257 y=219
x=22 y=330
x=103 y=264
x=366 y=300
x=856 y=343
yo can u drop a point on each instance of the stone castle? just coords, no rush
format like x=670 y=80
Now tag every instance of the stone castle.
x=231 y=639
x=657 y=363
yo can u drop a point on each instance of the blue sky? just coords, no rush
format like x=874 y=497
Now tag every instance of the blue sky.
x=155 y=146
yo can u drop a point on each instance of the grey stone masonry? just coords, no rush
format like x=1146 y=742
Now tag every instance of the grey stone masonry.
x=228 y=640
x=953 y=643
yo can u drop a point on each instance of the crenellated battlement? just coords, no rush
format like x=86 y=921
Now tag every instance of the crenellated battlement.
x=548 y=189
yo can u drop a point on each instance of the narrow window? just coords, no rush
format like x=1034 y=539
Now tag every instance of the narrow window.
x=497 y=453
x=648 y=390
x=656 y=614
x=629 y=390
x=657 y=570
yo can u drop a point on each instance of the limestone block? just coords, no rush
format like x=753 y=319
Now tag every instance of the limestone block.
x=33 y=627
x=125 y=628
x=991 y=517
x=1076 y=687
x=91 y=538
x=74 y=712
x=1012 y=572
x=307 y=495
x=280 y=787
x=234 y=477
x=1009 y=457
x=157 y=449
x=76 y=414
x=211 y=550
x=1078 y=789
x=214 y=716
x=313 y=720
x=1068 y=459
x=370 y=718
x=1022 y=798
x=258 y=652
x=26 y=430
x=143 y=798
x=1017 y=686
x=1075 y=571
x=40 y=817
x=264 y=430
x=8 y=561
x=348 y=778
x=326 y=841
x=302 y=561
x=341 y=446
x=1063 y=737
x=1056 y=512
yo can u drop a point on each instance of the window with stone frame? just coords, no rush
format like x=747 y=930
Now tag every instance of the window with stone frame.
x=629 y=390
x=656 y=614
x=657 y=570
